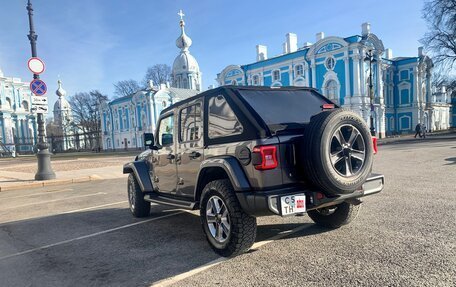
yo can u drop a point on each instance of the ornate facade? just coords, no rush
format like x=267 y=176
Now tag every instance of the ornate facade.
x=62 y=128
x=18 y=125
x=186 y=73
x=126 y=119
x=337 y=67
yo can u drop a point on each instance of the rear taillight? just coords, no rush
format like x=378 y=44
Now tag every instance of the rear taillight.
x=374 y=144
x=265 y=157
x=327 y=106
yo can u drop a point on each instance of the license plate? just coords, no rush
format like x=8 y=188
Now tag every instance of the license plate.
x=292 y=204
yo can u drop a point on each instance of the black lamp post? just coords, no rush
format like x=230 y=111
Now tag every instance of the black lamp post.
x=370 y=58
x=43 y=155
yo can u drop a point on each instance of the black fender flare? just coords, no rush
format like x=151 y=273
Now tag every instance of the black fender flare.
x=141 y=171
x=232 y=168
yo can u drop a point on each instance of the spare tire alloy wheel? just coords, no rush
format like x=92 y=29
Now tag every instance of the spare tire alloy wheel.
x=218 y=219
x=347 y=151
x=337 y=152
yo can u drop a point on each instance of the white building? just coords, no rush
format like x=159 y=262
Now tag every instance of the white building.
x=125 y=120
x=62 y=130
x=18 y=125
x=186 y=73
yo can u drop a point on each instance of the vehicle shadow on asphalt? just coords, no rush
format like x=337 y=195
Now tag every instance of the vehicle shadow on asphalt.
x=109 y=247
x=452 y=160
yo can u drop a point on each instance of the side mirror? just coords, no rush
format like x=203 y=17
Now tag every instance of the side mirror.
x=167 y=139
x=149 y=140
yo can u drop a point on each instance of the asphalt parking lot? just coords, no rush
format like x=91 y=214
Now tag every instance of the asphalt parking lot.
x=84 y=235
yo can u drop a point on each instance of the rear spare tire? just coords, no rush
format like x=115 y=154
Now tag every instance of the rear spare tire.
x=337 y=152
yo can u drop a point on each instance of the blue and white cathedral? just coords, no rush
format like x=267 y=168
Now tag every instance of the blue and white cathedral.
x=125 y=120
x=337 y=67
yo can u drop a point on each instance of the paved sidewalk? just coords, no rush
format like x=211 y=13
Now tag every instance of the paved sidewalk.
x=20 y=173
x=445 y=135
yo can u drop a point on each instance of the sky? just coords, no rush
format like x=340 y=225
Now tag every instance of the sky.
x=93 y=44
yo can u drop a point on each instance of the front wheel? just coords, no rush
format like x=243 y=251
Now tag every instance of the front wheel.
x=229 y=230
x=138 y=206
x=335 y=216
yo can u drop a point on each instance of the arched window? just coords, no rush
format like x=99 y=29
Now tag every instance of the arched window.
x=256 y=80
x=331 y=90
x=25 y=106
x=299 y=70
x=8 y=103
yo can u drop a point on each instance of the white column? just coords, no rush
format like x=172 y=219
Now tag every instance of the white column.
x=347 y=80
x=356 y=76
x=290 y=77
x=363 y=87
x=306 y=72
x=314 y=73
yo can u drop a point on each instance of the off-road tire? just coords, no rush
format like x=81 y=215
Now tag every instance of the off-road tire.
x=243 y=227
x=138 y=206
x=343 y=214
x=315 y=156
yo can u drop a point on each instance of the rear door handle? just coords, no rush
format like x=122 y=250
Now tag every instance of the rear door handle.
x=194 y=154
x=171 y=156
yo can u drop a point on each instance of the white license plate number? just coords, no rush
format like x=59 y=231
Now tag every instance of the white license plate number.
x=292 y=204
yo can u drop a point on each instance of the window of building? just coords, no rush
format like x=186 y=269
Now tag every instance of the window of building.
x=331 y=90
x=233 y=82
x=276 y=75
x=25 y=106
x=190 y=123
x=222 y=119
x=404 y=75
x=299 y=70
x=392 y=123
x=405 y=97
x=165 y=131
x=256 y=80
x=330 y=63
x=8 y=103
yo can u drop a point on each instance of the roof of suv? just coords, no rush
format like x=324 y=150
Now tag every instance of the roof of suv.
x=236 y=88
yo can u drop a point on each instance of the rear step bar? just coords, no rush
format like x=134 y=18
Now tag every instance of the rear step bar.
x=155 y=198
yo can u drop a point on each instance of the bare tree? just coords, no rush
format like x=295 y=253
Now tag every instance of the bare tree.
x=440 y=40
x=159 y=74
x=86 y=115
x=126 y=88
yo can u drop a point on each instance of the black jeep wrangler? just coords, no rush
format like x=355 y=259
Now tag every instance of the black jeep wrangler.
x=237 y=153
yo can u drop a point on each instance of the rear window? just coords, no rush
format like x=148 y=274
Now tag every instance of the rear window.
x=284 y=109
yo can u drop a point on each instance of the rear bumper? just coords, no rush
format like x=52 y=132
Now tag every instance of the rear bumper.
x=263 y=203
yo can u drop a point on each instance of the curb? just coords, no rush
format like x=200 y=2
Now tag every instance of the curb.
x=51 y=183
x=416 y=140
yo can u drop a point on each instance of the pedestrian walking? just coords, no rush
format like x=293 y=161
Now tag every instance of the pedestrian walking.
x=418 y=130
x=423 y=131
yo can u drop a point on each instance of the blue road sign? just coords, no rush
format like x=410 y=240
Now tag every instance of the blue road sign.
x=38 y=87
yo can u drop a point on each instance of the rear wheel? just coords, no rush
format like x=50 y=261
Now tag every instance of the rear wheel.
x=335 y=216
x=138 y=206
x=229 y=230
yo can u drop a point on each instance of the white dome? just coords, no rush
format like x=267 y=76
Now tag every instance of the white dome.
x=62 y=105
x=185 y=63
x=184 y=41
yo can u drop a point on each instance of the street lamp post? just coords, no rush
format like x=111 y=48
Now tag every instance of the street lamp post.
x=371 y=59
x=43 y=155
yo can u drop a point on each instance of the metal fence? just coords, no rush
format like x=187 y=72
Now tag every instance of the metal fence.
x=57 y=143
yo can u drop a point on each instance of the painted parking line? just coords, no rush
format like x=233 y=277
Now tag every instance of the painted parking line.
x=46 y=192
x=172 y=280
x=88 y=235
x=55 y=200
x=93 y=207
